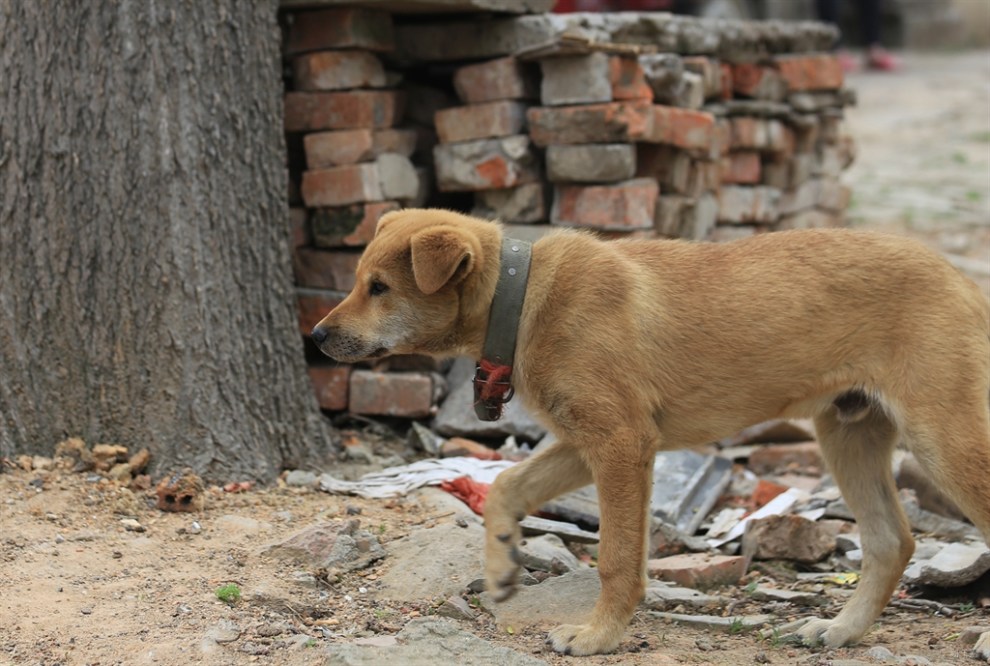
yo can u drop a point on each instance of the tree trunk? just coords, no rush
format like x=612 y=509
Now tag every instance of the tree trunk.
x=145 y=288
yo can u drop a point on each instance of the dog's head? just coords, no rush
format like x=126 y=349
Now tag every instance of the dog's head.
x=411 y=287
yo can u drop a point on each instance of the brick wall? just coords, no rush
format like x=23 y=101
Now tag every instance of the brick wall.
x=629 y=124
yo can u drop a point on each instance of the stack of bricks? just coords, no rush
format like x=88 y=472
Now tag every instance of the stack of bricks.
x=609 y=147
x=344 y=109
x=646 y=125
x=483 y=146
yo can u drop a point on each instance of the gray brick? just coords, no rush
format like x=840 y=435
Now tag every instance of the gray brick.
x=522 y=204
x=581 y=79
x=741 y=205
x=591 y=163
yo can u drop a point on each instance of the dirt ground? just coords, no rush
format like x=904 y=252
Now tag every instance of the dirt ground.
x=78 y=587
x=81 y=588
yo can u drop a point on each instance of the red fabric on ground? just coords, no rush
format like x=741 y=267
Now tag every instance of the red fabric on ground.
x=471 y=492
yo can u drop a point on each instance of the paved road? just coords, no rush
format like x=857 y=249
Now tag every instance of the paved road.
x=923 y=163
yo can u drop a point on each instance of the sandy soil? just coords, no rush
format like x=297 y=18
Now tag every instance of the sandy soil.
x=77 y=587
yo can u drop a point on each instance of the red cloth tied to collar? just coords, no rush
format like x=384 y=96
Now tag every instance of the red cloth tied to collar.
x=496 y=383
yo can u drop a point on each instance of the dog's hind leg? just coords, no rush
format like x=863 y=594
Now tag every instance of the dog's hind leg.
x=517 y=491
x=954 y=448
x=858 y=454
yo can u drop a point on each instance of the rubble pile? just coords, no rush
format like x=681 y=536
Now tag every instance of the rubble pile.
x=627 y=124
x=752 y=522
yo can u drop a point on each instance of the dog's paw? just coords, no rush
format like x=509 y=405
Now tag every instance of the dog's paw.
x=982 y=648
x=828 y=633
x=583 y=639
x=502 y=562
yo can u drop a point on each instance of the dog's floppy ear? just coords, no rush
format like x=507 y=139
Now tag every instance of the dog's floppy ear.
x=441 y=255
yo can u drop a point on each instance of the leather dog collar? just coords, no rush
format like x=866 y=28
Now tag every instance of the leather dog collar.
x=493 y=376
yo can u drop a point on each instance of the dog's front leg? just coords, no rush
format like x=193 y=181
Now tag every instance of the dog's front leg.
x=623 y=471
x=517 y=491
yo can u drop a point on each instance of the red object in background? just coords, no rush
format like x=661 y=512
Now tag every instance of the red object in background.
x=471 y=492
x=764 y=492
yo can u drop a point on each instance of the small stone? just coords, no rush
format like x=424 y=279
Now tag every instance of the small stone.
x=240 y=524
x=224 y=631
x=880 y=653
x=299 y=478
x=790 y=537
x=121 y=473
x=548 y=553
x=139 y=461
x=252 y=648
x=456 y=608
x=955 y=565
x=195 y=527
x=106 y=456
x=86 y=610
x=661 y=595
x=132 y=525
x=732 y=625
x=338 y=545
x=765 y=593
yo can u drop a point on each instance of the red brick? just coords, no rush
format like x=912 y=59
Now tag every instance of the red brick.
x=750 y=133
x=503 y=78
x=340 y=29
x=347 y=226
x=698 y=570
x=741 y=167
x=314 y=305
x=298 y=227
x=331 y=383
x=684 y=128
x=405 y=394
x=612 y=122
x=351 y=183
x=811 y=72
x=485 y=164
x=747 y=133
x=325 y=269
x=309 y=111
x=327 y=149
x=627 y=79
x=781 y=457
x=480 y=121
x=337 y=70
x=623 y=206
x=727 y=84
x=757 y=81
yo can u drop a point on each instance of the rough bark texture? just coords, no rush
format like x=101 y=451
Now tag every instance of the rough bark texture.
x=145 y=288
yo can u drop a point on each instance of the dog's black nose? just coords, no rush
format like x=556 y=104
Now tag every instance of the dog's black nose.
x=319 y=335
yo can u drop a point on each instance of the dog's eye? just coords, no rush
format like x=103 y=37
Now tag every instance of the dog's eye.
x=377 y=288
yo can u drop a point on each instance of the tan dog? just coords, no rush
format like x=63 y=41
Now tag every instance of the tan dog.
x=627 y=348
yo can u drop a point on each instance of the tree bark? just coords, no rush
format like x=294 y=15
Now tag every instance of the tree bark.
x=145 y=288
